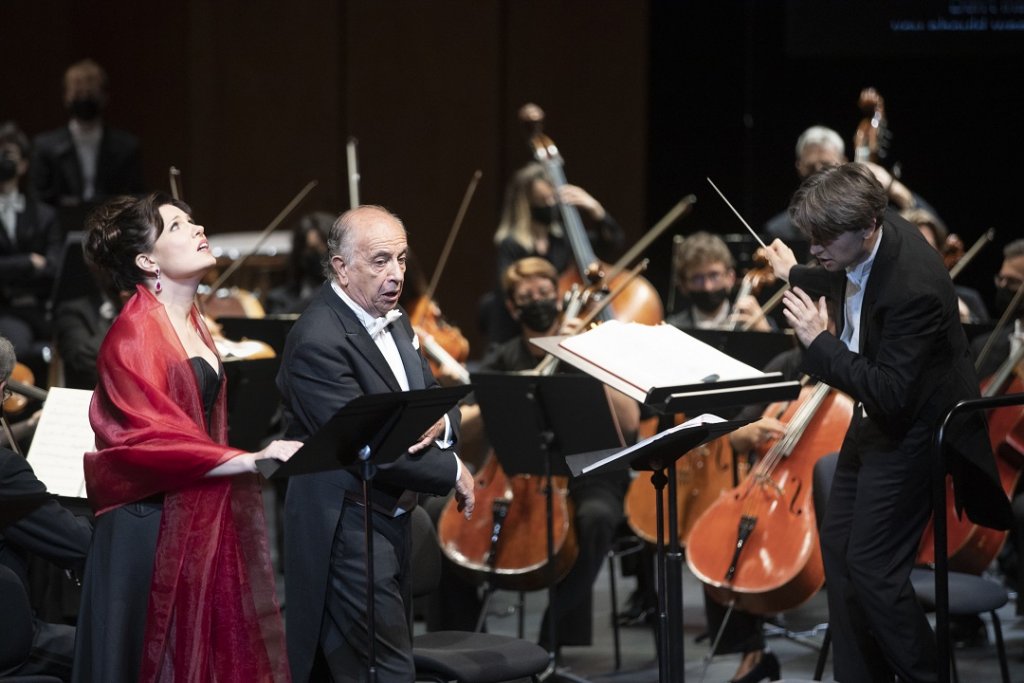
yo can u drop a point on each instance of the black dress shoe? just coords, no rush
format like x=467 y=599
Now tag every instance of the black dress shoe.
x=768 y=668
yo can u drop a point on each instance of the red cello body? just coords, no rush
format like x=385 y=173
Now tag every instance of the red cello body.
x=757 y=544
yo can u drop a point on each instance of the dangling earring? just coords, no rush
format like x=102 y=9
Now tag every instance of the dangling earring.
x=158 y=285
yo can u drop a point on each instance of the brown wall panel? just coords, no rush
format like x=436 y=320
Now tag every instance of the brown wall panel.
x=252 y=99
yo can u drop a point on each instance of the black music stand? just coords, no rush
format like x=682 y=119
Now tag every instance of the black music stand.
x=707 y=393
x=531 y=421
x=371 y=430
x=656 y=454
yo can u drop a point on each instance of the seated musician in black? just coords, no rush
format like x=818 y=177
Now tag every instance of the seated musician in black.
x=706 y=276
x=48 y=531
x=531 y=294
x=531 y=225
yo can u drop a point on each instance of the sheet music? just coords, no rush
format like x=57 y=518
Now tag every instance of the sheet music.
x=62 y=437
x=647 y=356
x=706 y=418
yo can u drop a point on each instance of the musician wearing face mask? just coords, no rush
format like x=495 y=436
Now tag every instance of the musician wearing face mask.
x=706 y=275
x=85 y=161
x=531 y=295
x=30 y=243
x=531 y=225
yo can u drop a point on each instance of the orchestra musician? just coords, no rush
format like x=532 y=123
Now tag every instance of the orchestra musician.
x=163 y=482
x=531 y=225
x=1008 y=280
x=530 y=287
x=933 y=229
x=353 y=339
x=820 y=147
x=85 y=160
x=47 y=530
x=706 y=275
x=305 y=264
x=901 y=354
x=30 y=244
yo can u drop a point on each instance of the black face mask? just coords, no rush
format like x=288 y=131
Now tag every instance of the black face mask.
x=708 y=302
x=545 y=215
x=85 y=108
x=539 y=316
x=8 y=168
x=1004 y=295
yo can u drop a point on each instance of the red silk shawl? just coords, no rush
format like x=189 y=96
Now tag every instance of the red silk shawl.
x=213 y=613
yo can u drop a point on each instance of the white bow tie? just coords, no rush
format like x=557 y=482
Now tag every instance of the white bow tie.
x=12 y=201
x=376 y=326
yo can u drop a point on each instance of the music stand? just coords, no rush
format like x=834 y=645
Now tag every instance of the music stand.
x=699 y=395
x=657 y=454
x=373 y=430
x=531 y=420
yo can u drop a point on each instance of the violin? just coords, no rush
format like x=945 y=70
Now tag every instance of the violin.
x=21 y=383
x=871 y=140
x=757 y=545
x=641 y=301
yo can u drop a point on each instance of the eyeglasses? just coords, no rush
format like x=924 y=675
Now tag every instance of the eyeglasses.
x=698 y=280
x=1007 y=282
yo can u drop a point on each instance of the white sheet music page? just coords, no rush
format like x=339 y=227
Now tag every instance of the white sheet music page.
x=62 y=437
x=700 y=420
x=647 y=356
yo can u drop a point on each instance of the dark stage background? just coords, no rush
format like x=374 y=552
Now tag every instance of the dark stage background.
x=251 y=99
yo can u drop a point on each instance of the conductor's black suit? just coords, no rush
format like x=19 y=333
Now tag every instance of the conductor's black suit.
x=913 y=365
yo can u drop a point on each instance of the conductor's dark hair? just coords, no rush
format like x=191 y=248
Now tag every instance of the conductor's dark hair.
x=836 y=200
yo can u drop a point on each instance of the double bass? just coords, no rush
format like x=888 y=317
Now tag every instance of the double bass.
x=757 y=545
x=640 y=301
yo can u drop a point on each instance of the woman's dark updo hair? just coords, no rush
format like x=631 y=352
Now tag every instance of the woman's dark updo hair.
x=120 y=230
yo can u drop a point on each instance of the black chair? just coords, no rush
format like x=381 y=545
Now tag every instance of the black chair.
x=969 y=595
x=16 y=643
x=463 y=656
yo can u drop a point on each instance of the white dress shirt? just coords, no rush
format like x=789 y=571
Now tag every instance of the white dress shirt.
x=87 y=147
x=856 y=282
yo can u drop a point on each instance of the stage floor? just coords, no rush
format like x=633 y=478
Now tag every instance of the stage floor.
x=797 y=656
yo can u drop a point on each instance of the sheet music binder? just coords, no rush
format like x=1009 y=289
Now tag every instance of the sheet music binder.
x=701 y=396
x=387 y=423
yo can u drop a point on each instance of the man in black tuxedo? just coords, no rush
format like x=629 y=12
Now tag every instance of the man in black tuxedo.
x=85 y=161
x=901 y=353
x=353 y=340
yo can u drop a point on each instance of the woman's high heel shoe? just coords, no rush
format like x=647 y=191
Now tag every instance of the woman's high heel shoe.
x=768 y=668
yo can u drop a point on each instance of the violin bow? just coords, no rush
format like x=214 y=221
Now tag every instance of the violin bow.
x=1000 y=326
x=174 y=176
x=681 y=208
x=237 y=263
x=353 y=173
x=467 y=197
x=549 y=362
x=989 y=235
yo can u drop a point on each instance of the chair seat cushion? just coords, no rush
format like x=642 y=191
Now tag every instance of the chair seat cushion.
x=968 y=594
x=477 y=657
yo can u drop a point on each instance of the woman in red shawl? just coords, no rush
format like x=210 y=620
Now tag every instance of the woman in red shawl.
x=178 y=584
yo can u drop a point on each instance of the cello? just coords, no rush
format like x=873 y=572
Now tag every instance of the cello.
x=972 y=547
x=507 y=549
x=757 y=546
